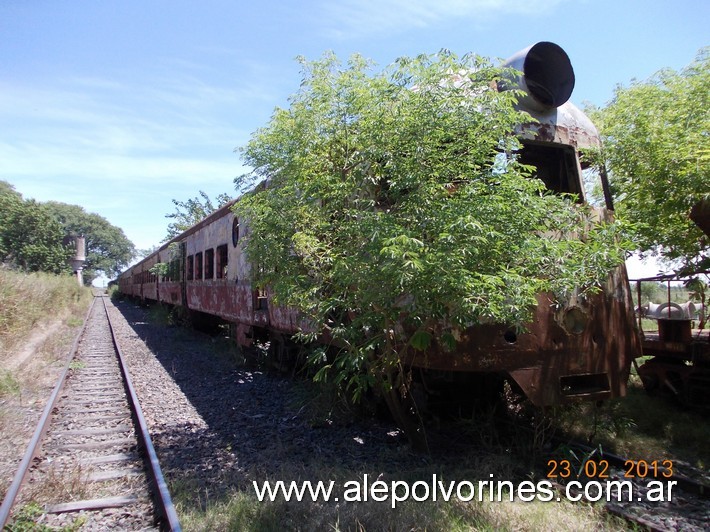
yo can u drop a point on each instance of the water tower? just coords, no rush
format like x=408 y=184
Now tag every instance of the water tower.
x=77 y=263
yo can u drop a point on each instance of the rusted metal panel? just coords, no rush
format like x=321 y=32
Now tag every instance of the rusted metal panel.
x=170 y=292
x=285 y=319
x=553 y=354
x=231 y=302
x=565 y=125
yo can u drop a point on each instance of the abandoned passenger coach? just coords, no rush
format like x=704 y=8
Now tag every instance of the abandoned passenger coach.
x=580 y=348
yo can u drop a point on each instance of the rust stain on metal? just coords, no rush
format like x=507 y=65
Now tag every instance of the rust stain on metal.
x=552 y=364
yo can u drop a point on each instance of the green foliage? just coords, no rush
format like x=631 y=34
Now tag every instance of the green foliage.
x=166 y=268
x=698 y=290
x=396 y=214
x=653 y=292
x=29 y=516
x=107 y=248
x=656 y=147
x=188 y=213
x=8 y=384
x=30 y=237
x=6 y=188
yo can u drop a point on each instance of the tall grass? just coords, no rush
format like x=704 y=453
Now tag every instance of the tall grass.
x=26 y=299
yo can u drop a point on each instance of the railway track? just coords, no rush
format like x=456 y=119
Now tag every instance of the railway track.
x=91 y=460
x=655 y=496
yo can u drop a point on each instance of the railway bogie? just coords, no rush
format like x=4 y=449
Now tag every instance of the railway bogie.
x=676 y=347
x=581 y=348
x=680 y=352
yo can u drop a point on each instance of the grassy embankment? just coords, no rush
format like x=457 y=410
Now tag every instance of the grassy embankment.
x=39 y=317
x=26 y=302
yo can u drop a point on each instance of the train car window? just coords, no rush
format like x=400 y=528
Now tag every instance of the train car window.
x=190 y=267
x=593 y=186
x=235 y=232
x=198 y=265
x=175 y=270
x=222 y=258
x=260 y=299
x=556 y=165
x=209 y=263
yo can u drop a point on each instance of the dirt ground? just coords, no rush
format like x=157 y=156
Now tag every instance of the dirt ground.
x=29 y=372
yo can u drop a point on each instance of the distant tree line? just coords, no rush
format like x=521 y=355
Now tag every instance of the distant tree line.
x=38 y=236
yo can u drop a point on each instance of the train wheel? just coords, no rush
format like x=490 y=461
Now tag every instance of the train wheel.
x=283 y=353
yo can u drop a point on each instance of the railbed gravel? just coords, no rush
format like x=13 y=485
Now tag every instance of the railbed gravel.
x=218 y=425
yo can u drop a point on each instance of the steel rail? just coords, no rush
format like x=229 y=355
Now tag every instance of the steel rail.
x=685 y=483
x=42 y=426
x=163 y=501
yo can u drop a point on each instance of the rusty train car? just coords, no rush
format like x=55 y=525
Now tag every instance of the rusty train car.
x=582 y=349
x=677 y=354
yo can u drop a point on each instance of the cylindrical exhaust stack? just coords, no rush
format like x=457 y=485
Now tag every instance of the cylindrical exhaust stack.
x=547 y=76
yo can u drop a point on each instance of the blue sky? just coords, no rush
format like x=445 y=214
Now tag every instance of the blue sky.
x=121 y=106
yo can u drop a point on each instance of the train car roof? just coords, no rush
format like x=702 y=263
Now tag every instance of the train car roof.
x=222 y=211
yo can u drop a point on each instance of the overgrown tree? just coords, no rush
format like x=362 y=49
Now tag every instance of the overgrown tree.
x=7 y=188
x=30 y=237
x=658 y=153
x=188 y=213
x=142 y=253
x=395 y=212
x=108 y=250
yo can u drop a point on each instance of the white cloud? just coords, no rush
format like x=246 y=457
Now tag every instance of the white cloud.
x=355 y=18
x=124 y=150
x=91 y=128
